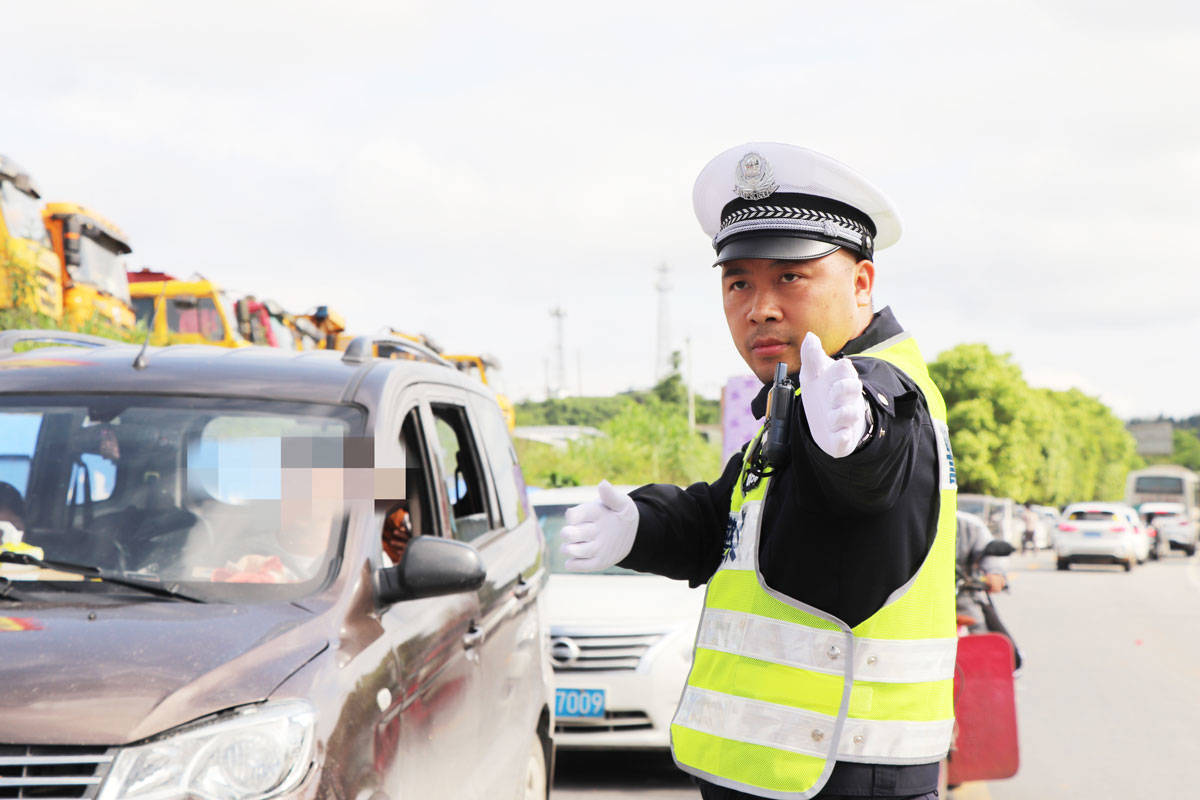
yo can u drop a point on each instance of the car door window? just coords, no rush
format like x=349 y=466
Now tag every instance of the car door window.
x=461 y=472
x=415 y=514
x=502 y=457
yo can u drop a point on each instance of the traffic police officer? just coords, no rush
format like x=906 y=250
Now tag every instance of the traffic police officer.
x=824 y=660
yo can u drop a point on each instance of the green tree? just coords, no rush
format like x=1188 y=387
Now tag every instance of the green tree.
x=993 y=419
x=1011 y=440
x=595 y=411
x=1186 y=449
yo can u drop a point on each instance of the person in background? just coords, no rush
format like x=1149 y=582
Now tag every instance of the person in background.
x=397 y=530
x=1029 y=537
x=972 y=536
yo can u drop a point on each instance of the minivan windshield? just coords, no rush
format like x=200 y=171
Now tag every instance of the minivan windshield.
x=230 y=499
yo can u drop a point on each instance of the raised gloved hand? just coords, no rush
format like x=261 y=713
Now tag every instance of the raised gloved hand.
x=833 y=399
x=600 y=533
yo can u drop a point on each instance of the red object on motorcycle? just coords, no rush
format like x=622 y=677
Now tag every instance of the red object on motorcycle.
x=985 y=741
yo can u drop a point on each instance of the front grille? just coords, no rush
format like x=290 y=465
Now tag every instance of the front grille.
x=579 y=651
x=612 y=721
x=52 y=772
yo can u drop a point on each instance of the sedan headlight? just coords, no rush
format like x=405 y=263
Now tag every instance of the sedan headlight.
x=255 y=753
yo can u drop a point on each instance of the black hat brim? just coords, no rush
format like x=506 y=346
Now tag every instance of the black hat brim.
x=776 y=248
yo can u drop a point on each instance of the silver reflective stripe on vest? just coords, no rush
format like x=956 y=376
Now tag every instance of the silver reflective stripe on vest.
x=878 y=660
x=807 y=732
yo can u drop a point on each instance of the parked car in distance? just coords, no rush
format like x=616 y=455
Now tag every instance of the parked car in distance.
x=1173 y=528
x=266 y=574
x=1048 y=519
x=1100 y=533
x=621 y=643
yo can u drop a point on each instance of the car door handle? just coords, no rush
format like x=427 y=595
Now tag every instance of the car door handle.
x=472 y=638
x=522 y=590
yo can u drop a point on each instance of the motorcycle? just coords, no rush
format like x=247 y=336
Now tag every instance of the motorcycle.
x=985 y=744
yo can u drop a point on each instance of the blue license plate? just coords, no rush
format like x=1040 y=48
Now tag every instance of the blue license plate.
x=1092 y=534
x=579 y=702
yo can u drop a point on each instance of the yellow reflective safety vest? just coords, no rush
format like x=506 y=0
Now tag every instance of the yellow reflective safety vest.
x=779 y=690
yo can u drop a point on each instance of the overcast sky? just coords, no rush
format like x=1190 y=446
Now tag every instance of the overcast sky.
x=460 y=169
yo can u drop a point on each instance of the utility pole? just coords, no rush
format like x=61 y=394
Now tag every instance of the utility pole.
x=662 y=350
x=560 y=367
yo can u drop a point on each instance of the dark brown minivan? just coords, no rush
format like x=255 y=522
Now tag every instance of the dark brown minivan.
x=248 y=574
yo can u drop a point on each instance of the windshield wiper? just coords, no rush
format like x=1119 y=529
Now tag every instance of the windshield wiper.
x=10 y=557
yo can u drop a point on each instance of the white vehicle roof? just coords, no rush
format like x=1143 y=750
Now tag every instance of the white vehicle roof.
x=1111 y=508
x=568 y=495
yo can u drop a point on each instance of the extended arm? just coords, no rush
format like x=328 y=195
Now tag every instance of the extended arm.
x=664 y=529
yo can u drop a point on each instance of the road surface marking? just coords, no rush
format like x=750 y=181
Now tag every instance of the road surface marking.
x=973 y=790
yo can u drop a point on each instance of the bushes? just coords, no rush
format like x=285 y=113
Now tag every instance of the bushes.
x=14 y=319
x=645 y=442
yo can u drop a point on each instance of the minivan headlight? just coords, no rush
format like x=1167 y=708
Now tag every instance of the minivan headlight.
x=253 y=754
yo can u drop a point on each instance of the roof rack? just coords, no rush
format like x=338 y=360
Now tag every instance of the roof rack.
x=364 y=347
x=10 y=339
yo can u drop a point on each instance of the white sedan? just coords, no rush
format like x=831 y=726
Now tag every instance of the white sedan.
x=1101 y=533
x=621 y=644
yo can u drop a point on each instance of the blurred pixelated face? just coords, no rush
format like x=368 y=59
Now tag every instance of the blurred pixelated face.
x=771 y=304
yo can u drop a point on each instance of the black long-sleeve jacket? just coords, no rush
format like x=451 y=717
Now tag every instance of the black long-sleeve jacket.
x=837 y=534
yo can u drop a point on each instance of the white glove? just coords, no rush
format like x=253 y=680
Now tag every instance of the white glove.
x=833 y=399
x=600 y=533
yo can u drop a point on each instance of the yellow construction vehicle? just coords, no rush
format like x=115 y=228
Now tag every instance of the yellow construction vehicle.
x=184 y=312
x=29 y=270
x=479 y=366
x=91 y=253
x=265 y=322
x=332 y=327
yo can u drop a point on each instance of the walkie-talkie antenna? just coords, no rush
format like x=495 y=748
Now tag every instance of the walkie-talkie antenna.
x=140 y=361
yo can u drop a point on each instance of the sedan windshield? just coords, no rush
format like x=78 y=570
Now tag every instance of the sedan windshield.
x=552 y=519
x=229 y=499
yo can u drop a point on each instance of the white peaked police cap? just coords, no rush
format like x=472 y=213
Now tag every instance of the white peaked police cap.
x=780 y=201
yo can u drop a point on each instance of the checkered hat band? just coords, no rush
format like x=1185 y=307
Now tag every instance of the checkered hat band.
x=827 y=225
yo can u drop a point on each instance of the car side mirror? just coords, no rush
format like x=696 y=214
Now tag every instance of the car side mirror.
x=998 y=547
x=431 y=567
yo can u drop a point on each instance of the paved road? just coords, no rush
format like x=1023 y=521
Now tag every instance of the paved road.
x=607 y=776
x=1108 y=703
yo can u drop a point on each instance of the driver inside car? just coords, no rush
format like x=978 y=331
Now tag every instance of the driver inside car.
x=292 y=554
